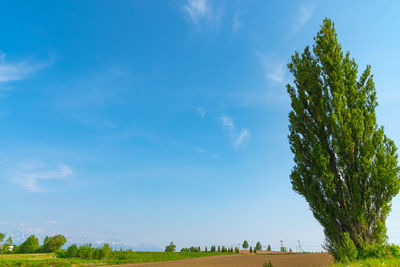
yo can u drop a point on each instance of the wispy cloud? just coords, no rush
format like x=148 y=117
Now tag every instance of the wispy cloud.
x=238 y=136
x=304 y=14
x=51 y=222
x=17 y=70
x=237 y=24
x=200 y=12
x=30 y=175
x=227 y=122
x=197 y=10
x=274 y=70
x=201 y=112
x=241 y=137
x=201 y=150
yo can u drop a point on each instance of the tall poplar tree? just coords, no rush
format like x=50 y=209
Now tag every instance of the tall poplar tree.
x=345 y=166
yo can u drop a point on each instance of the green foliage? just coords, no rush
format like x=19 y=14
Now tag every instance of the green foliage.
x=236 y=250
x=213 y=249
x=290 y=250
x=72 y=251
x=346 y=251
x=251 y=249
x=269 y=248
x=31 y=245
x=5 y=248
x=379 y=251
x=258 y=246
x=219 y=249
x=269 y=264
x=206 y=249
x=345 y=166
x=54 y=243
x=2 y=237
x=245 y=244
x=170 y=248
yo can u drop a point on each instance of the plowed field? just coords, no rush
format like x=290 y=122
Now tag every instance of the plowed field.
x=295 y=260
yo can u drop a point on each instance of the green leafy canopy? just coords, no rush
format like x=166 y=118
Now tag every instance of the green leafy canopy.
x=345 y=166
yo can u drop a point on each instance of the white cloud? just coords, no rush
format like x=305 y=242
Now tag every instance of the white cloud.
x=275 y=71
x=201 y=12
x=238 y=136
x=197 y=10
x=201 y=150
x=227 y=122
x=237 y=23
x=29 y=175
x=18 y=70
x=303 y=16
x=51 y=222
x=201 y=112
x=243 y=135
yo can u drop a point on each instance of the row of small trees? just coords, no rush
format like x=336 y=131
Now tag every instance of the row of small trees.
x=257 y=247
x=31 y=244
x=220 y=249
x=88 y=252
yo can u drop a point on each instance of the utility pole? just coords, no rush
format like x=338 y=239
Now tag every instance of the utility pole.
x=299 y=246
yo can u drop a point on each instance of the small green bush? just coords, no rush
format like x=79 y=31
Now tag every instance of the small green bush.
x=269 y=264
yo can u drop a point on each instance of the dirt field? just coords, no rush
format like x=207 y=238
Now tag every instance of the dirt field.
x=295 y=260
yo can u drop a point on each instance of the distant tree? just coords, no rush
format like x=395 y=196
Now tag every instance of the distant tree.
x=2 y=237
x=251 y=249
x=258 y=246
x=31 y=245
x=269 y=248
x=290 y=250
x=106 y=251
x=72 y=251
x=237 y=249
x=219 y=249
x=205 y=249
x=255 y=250
x=199 y=249
x=245 y=244
x=170 y=248
x=53 y=243
x=346 y=167
x=213 y=248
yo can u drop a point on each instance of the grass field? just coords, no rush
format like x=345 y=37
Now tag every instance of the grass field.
x=50 y=259
x=392 y=262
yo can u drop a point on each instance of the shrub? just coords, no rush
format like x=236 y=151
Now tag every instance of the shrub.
x=236 y=249
x=345 y=251
x=269 y=248
x=269 y=264
x=251 y=249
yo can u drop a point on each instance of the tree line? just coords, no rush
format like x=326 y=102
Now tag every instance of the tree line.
x=31 y=244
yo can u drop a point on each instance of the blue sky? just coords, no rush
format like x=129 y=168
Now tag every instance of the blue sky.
x=158 y=121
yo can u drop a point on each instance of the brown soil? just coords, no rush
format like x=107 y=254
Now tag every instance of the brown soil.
x=295 y=260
